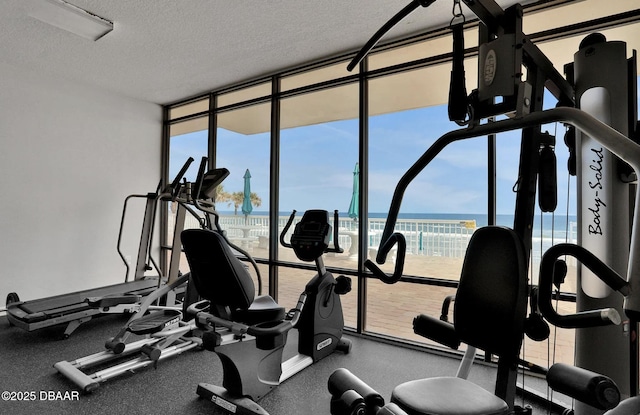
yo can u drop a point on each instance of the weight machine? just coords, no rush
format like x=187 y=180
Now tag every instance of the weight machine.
x=503 y=53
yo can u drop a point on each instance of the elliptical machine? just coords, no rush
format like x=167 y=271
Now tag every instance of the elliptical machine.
x=252 y=361
x=163 y=330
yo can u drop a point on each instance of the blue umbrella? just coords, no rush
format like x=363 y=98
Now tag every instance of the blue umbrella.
x=355 y=195
x=246 y=200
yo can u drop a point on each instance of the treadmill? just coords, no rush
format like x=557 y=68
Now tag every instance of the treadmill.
x=79 y=307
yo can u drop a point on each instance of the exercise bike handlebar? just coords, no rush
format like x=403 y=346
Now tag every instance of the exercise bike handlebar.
x=257 y=330
x=336 y=245
x=591 y=318
x=286 y=229
x=287 y=324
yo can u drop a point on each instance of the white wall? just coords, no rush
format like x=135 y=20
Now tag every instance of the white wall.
x=69 y=154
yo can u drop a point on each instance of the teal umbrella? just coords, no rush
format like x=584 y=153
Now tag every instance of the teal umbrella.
x=246 y=199
x=355 y=195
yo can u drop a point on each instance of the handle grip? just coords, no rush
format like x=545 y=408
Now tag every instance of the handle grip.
x=336 y=246
x=175 y=184
x=591 y=318
x=382 y=256
x=286 y=229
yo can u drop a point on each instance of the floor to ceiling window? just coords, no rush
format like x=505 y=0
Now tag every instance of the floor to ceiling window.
x=188 y=138
x=319 y=149
x=318 y=161
x=242 y=146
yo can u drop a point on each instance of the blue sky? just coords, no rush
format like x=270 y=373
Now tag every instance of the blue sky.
x=317 y=164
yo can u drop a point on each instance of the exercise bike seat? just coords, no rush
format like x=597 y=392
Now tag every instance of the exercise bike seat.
x=263 y=309
x=221 y=278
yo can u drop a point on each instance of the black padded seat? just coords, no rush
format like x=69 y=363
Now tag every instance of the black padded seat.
x=221 y=278
x=489 y=313
x=630 y=406
x=263 y=309
x=446 y=396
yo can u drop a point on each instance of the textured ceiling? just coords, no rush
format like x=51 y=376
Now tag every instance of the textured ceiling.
x=164 y=51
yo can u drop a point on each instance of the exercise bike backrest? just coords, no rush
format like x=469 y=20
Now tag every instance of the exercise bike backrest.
x=202 y=195
x=310 y=238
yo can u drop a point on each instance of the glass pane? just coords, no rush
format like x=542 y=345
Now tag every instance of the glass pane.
x=560 y=346
x=548 y=229
x=392 y=308
x=188 y=109
x=327 y=73
x=245 y=151
x=409 y=90
x=244 y=94
x=319 y=152
x=181 y=147
x=569 y=14
x=292 y=282
x=444 y=204
x=433 y=47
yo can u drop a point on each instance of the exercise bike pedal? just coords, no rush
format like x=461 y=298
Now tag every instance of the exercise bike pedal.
x=342 y=285
x=154 y=322
x=223 y=399
x=519 y=410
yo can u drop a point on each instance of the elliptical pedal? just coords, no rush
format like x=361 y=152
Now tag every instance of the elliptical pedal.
x=155 y=321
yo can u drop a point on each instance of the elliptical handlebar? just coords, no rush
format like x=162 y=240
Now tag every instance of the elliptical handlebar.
x=198 y=190
x=590 y=318
x=174 y=187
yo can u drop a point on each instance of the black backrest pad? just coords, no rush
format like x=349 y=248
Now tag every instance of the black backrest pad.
x=218 y=274
x=491 y=301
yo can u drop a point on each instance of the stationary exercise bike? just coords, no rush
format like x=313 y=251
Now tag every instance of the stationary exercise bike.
x=252 y=364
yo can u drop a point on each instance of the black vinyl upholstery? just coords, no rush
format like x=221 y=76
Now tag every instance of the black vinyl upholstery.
x=447 y=396
x=491 y=300
x=221 y=278
x=490 y=309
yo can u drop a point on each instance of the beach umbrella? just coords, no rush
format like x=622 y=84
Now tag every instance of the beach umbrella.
x=246 y=200
x=355 y=195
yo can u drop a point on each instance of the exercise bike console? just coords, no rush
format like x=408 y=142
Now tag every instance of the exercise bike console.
x=311 y=235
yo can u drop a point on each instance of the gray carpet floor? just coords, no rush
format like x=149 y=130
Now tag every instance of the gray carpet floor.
x=26 y=368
